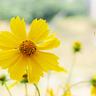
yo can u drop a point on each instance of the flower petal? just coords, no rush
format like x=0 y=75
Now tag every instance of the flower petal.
x=8 y=57
x=8 y=40
x=39 y=30
x=93 y=90
x=68 y=91
x=50 y=42
x=18 y=28
x=48 y=61
x=18 y=69
x=34 y=71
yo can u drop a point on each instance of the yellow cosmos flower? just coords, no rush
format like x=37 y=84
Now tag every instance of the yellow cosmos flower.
x=22 y=52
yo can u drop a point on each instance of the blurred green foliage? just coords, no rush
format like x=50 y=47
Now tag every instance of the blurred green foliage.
x=76 y=7
x=47 y=9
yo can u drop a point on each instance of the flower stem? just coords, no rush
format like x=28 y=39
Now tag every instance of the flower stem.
x=37 y=89
x=72 y=68
x=26 y=90
x=8 y=89
x=81 y=82
x=75 y=84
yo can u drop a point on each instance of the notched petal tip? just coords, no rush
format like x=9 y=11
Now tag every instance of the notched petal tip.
x=39 y=30
x=61 y=69
x=58 y=42
x=18 y=27
x=17 y=18
x=12 y=19
x=39 y=20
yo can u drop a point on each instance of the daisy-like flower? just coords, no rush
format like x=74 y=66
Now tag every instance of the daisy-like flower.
x=23 y=52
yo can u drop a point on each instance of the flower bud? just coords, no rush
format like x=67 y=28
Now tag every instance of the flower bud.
x=76 y=47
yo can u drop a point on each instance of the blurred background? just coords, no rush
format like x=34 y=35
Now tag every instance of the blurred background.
x=72 y=20
x=30 y=9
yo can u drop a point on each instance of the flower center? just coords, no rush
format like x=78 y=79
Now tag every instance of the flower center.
x=27 y=48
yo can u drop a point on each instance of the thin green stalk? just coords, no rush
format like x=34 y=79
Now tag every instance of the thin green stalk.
x=75 y=84
x=71 y=72
x=37 y=89
x=81 y=82
x=71 y=69
x=26 y=89
x=8 y=89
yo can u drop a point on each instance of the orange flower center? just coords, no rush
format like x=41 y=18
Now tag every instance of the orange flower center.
x=27 y=48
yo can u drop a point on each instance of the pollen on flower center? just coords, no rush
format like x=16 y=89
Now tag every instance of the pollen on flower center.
x=27 y=48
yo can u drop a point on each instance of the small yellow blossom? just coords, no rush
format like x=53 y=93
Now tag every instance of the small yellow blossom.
x=23 y=52
x=93 y=86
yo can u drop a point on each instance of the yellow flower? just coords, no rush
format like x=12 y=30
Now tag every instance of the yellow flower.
x=22 y=52
x=93 y=90
x=93 y=86
x=67 y=91
x=50 y=92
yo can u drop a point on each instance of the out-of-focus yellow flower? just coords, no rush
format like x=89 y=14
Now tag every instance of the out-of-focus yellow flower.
x=93 y=86
x=50 y=92
x=76 y=46
x=67 y=91
x=23 y=53
x=93 y=90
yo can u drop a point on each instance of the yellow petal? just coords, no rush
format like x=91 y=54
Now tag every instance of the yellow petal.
x=8 y=40
x=67 y=91
x=34 y=71
x=47 y=61
x=18 y=28
x=18 y=69
x=39 y=30
x=51 y=42
x=8 y=57
x=93 y=91
x=50 y=92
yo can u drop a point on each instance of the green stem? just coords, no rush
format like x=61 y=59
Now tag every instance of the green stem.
x=8 y=89
x=81 y=82
x=71 y=69
x=37 y=89
x=75 y=84
x=26 y=90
